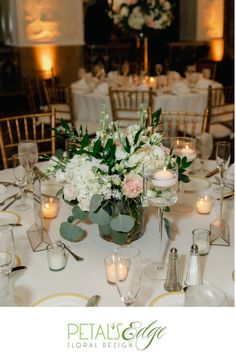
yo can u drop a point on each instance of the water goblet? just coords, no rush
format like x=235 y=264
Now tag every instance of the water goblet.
x=204 y=147
x=183 y=147
x=160 y=190
x=219 y=227
x=7 y=257
x=128 y=271
x=28 y=155
x=21 y=178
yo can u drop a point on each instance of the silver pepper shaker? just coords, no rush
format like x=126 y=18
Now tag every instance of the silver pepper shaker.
x=193 y=274
x=172 y=280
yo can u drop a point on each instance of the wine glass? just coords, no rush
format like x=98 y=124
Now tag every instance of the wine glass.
x=128 y=271
x=21 y=177
x=204 y=147
x=7 y=257
x=219 y=227
x=183 y=147
x=28 y=155
x=158 y=69
x=160 y=190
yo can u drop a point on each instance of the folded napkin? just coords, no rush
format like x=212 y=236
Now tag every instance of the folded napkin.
x=180 y=88
x=203 y=84
x=174 y=75
x=80 y=85
x=102 y=89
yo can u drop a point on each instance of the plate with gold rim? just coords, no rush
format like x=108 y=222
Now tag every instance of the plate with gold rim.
x=196 y=184
x=62 y=300
x=9 y=217
x=172 y=299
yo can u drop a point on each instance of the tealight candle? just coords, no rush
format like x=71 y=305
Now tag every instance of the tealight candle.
x=111 y=269
x=56 y=257
x=188 y=152
x=164 y=178
x=204 y=205
x=49 y=207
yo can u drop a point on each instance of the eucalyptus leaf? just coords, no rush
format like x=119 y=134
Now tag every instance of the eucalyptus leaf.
x=79 y=213
x=122 y=223
x=95 y=202
x=105 y=229
x=168 y=228
x=119 y=237
x=71 y=219
x=101 y=217
x=71 y=232
x=60 y=192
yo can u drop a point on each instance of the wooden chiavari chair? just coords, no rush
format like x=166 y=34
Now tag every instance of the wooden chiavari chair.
x=27 y=127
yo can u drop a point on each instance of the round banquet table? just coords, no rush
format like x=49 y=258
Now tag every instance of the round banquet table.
x=88 y=277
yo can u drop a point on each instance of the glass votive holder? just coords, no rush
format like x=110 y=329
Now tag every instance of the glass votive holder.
x=49 y=207
x=56 y=256
x=204 y=204
x=111 y=269
x=201 y=237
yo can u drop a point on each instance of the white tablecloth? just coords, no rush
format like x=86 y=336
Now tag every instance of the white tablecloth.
x=88 y=107
x=88 y=277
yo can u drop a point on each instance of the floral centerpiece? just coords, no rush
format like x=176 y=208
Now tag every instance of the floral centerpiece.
x=102 y=176
x=139 y=16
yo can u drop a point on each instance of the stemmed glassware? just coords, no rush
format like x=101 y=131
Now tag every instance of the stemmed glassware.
x=204 y=147
x=219 y=227
x=7 y=257
x=21 y=176
x=183 y=147
x=128 y=271
x=28 y=155
x=160 y=190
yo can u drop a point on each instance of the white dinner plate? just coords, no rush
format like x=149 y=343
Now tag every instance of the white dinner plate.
x=196 y=184
x=51 y=188
x=9 y=217
x=62 y=300
x=175 y=299
x=3 y=189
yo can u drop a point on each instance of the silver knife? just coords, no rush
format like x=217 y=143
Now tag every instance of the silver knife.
x=93 y=301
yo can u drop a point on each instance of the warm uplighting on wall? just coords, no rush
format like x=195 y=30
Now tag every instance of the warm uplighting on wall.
x=210 y=19
x=45 y=58
x=217 y=49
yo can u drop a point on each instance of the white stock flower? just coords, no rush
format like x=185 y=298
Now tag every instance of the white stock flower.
x=121 y=154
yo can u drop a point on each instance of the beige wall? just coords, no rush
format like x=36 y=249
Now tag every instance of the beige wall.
x=66 y=61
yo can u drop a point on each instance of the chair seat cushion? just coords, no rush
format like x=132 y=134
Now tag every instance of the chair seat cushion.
x=220 y=131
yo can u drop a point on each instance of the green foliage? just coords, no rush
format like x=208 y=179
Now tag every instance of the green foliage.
x=156 y=116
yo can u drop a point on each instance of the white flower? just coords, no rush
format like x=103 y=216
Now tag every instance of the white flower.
x=60 y=176
x=121 y=154
x=166 y=6
x=124 y=12
x=158 y=152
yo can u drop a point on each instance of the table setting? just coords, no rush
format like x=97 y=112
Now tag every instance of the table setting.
x=171 y=92
x=79 y=259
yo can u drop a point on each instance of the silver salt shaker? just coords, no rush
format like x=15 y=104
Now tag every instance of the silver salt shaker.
x=172 y=280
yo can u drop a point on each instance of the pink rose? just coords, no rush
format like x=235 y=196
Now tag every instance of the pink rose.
x=133 y=185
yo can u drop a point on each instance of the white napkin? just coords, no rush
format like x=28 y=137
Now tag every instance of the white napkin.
x=203 y=84
x=174 y=75
x=80 y=85
x=3 y=189
x=102 y=89
x=180 y=88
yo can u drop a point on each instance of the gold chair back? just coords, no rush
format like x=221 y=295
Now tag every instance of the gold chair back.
x=189 y=124
x=220 y=110
x=38 y=127
x=125 y=104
